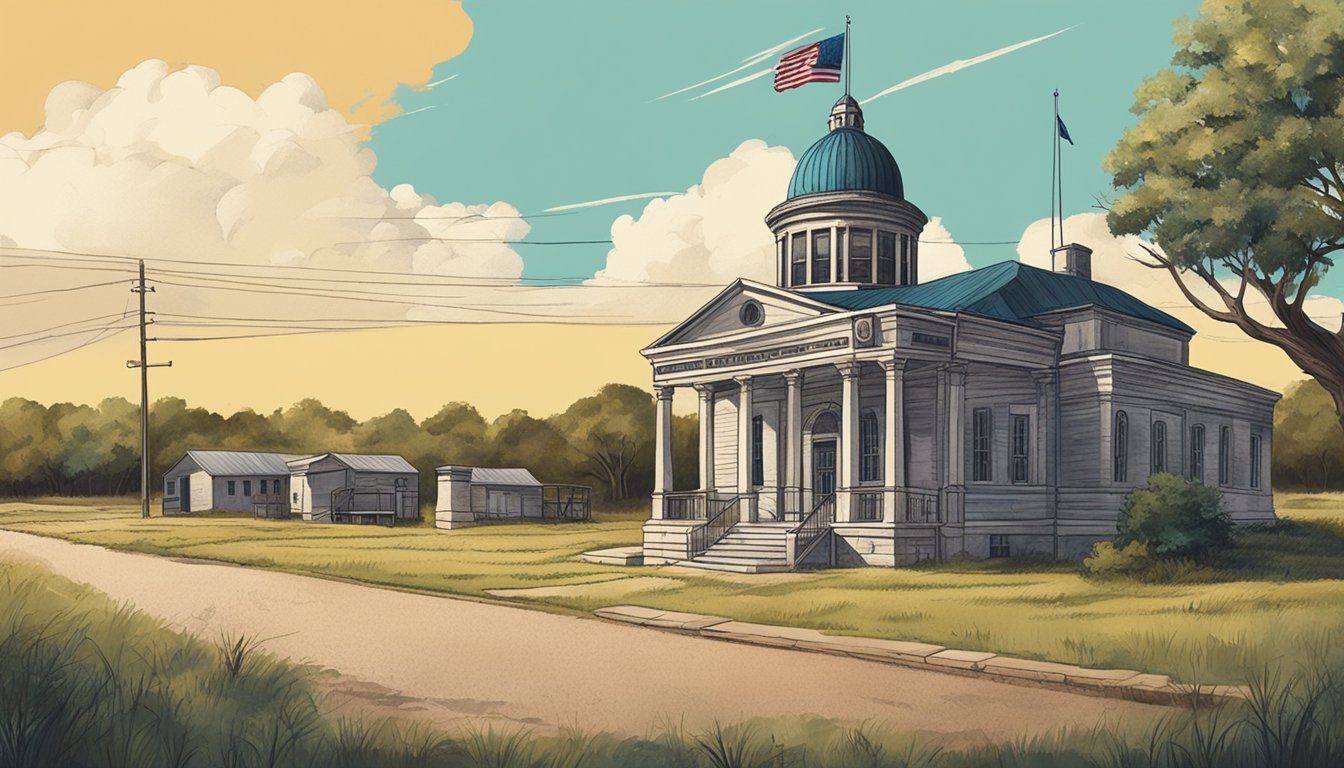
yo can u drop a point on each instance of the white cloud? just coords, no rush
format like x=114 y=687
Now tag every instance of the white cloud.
x=749 y=61
x=175 y=165
x=608 y=201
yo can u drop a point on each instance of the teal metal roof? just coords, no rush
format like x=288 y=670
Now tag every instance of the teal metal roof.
x=846 y=159
x=1010 y=291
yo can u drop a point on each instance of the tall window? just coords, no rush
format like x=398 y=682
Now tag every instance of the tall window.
x=1255 y=461
x=907 y=251
x=230 y=488
x=1159 y=446
x=757 y=450
x=1225 y=456
x=981 y=427
x=798 y=257
x=1021 y=452
x=1120 y=448
x=247 y=487
x=861 y=255
x=821 y=256
x=840 y=255
x=870 y=450
x=886 y=258
x=1197 y=452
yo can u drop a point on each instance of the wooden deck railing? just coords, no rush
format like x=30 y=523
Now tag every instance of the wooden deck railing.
x=694 y=505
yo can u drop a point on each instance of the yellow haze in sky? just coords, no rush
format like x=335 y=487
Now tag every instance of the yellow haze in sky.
x=358 y=52
x=539 y=368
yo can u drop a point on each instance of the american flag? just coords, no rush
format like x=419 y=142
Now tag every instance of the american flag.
x=817 y=62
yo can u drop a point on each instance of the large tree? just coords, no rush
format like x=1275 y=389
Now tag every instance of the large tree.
x=1236 y=166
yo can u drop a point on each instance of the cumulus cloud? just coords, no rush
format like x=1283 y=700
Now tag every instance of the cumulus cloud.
x=715 y=232
x=358 y=51
x=173 y=165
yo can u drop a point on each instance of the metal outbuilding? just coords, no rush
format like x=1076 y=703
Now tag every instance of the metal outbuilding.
x=354 y=488
x=228 y=481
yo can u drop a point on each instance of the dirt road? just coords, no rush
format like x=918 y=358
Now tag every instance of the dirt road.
x=443 y=660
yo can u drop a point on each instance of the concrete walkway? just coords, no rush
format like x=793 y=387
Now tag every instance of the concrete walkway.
x=443 y=660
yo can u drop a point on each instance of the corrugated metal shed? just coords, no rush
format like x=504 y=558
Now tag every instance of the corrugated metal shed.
x=364 y=462
x=228 y=463
x=1010 y=291
x=503 y=476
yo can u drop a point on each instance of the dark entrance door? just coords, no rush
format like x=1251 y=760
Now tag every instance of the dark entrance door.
x=184 y=495
x=823 y=469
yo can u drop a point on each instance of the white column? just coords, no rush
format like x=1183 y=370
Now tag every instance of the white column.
x=744 y=413
x=849 y=437
x=706 y=392
x=662 y=464
x=793 y=444
x=893 y=457
x=956 y=425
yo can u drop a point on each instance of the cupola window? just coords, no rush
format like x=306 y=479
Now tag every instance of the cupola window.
x=886 y=258
x=821 y=256
x=798 y=252
x=861 y=255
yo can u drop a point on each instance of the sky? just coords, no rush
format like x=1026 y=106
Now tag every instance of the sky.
x=260 y=159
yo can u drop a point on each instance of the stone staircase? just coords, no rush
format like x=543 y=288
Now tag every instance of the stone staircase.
x=748 y=548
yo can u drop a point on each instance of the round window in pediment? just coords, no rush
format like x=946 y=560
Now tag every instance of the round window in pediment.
x=752 y=313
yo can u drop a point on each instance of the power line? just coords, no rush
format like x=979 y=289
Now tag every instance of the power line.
x=50 y=336
x=102 y=335
x=67 y=325
x=62 y=290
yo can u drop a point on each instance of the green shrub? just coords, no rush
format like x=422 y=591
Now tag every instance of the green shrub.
x=1109 y=560
x=1174 y=518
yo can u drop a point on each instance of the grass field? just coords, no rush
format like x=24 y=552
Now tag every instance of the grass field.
x=87 y=682
x=1277 y=591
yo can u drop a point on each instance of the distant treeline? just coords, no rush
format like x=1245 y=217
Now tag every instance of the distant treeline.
x=1308 y=448
x=605 y=441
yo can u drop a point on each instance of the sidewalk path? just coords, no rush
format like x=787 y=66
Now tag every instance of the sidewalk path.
x=442 y=659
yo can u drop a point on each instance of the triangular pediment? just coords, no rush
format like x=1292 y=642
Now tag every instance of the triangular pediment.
x=727 y=313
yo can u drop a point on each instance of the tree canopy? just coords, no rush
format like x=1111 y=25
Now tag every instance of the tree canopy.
x=1236 y=166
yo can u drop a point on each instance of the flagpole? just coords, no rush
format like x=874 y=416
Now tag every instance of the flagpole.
x=1060 y=186
x=848 y=60
x=1054 y=169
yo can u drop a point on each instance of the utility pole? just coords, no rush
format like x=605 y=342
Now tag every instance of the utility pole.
x=144 y=365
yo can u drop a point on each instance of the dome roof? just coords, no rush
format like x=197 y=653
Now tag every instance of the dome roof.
x=846 y=160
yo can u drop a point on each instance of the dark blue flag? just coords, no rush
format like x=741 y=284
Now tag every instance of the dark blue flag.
x=1063 y=131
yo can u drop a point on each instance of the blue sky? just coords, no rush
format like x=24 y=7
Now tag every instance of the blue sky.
x=553 y=103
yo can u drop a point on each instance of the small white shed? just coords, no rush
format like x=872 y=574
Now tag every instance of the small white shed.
x=228 y=481
x=354 y=488
x=468 y=495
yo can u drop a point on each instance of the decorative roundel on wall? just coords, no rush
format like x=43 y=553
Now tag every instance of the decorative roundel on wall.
x=864 y=331
x=752 y=313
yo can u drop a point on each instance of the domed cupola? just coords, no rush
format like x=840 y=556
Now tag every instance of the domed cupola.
x=846 y=222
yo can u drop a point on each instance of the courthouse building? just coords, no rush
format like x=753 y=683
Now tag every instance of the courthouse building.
x=850 y=414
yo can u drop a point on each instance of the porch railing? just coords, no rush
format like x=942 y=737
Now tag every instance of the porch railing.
x=694 y=505
x=715 y=527
x=866 y=506
x=921 y=506
x=814 y=527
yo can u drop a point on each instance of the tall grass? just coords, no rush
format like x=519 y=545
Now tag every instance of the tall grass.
x=85 y=682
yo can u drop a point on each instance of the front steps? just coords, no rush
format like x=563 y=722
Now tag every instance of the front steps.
x=748 y=548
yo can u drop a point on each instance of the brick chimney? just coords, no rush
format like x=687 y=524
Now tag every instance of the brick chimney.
x=1073 y=259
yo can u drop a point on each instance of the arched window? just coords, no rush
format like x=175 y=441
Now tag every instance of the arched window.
x=1159 y=446
x=1197 y=452
x=1120 y=448
x=826 y=424
x=870 y=449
